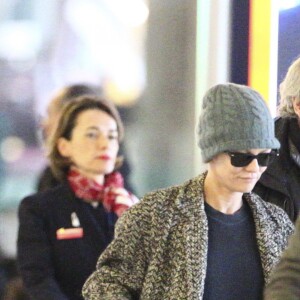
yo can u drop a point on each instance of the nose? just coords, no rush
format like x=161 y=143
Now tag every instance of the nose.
x=103 y=142
x=253 y=166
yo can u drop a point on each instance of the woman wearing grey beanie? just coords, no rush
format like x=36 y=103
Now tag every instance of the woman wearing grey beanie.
x=211 y=237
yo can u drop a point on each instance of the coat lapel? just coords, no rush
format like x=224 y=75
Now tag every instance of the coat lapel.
x=269 y=248
x=93 y=233
x=191 y=205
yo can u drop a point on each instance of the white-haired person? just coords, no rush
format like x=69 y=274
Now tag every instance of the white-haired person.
x=280 y=184
x=211 y=237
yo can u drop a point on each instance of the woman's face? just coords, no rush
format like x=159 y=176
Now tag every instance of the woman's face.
x=94 y=144
x=296 y=106
x=236 y=179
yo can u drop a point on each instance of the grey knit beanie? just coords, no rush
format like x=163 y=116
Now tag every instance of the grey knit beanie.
x=233 y=118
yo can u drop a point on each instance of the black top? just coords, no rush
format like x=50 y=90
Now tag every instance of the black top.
x=234 y=270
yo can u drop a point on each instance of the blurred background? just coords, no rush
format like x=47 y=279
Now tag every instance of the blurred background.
x=153 y=58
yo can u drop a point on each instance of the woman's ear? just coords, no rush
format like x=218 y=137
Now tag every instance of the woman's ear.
x=64 y=147
x=296 y=106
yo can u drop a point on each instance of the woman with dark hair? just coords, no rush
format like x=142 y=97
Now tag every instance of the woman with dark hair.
x=63 y=230
x=61 y=98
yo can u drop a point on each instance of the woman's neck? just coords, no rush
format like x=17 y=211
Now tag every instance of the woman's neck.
x=220 y=198
x=99 y=178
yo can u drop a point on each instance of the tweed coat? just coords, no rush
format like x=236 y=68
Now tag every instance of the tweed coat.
x=53 y=268
x=160 y=246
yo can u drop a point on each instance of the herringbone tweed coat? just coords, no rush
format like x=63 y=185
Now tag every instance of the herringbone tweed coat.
x=160 y=248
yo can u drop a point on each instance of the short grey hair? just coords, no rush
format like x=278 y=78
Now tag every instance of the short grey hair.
x=290 y=90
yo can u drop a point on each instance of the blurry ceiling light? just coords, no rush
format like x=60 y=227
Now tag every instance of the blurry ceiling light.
x=130 y=12
x=12 y=149
x=120 y=94
x=288 y=4
x=19 y=40
x=85 y=17
x=124 y=83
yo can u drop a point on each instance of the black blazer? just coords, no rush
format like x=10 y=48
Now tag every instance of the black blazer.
x=54 y=269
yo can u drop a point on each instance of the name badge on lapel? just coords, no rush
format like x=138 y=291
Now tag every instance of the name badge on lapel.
x=71 y=233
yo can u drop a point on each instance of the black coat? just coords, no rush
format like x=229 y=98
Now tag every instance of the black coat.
x=55 y=269
x=280 y=183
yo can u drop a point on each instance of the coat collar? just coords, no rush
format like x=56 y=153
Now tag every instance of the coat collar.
x=265 y=226
x=190 y=202
x=191 y=196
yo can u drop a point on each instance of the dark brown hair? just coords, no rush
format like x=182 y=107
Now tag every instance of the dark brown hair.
x=70 y=92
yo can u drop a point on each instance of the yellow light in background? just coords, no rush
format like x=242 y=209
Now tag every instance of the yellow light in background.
x=259 y=46
x=263 y=48
x=120 y=93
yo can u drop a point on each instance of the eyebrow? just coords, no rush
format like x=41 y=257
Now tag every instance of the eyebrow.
x=97 y=128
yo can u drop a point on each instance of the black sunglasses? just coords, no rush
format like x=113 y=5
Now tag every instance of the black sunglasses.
x=239 y=159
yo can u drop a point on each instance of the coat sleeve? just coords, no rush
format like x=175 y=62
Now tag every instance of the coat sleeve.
x=34 y=253
x=122 y=266
x=285 y=280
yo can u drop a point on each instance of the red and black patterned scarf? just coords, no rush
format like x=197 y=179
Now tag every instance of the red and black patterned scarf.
x=112 y=194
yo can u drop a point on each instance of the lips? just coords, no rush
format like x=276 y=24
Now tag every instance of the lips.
x=249 y=179
x=104 y=157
